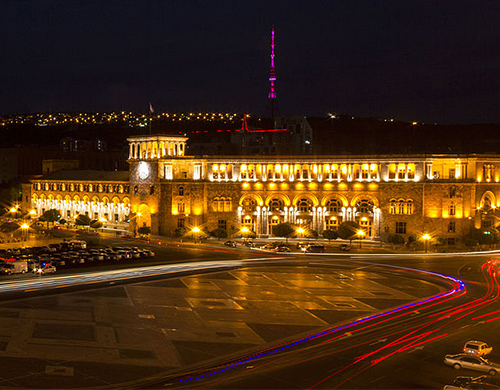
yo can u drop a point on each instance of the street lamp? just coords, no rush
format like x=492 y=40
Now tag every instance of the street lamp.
x=14 y=210
x=360 y=235
x=24 y=231
x=426 y=239
x=244 y=231
x=195 y=231
x=301 y=231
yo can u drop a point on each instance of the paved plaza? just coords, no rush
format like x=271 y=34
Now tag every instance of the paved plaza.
x=124 y=334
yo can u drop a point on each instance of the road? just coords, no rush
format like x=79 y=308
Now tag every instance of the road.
x=401 y=348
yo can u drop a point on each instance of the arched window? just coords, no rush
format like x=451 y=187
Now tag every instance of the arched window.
x=249 y=205
x=452 y=209
x=304 y=205
x=364 y=206
x=276 y=205
x=334 y=206
x=181 y=191
x=227 y=204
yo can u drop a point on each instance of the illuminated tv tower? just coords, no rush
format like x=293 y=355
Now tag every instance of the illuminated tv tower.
x=272 y=78
x=272 y=73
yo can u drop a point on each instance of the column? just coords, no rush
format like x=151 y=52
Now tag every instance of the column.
x=258 y=221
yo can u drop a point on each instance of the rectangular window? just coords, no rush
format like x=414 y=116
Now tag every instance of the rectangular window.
x=451 y=227
x=400 y=227
x=453 y=209
x=451 y=241
x=184 y=175
x=181 y=222
x=180 y=207
x=116 y=217
x=197 y=172
x=168 y=172
x=222 y=224
x=452 y=173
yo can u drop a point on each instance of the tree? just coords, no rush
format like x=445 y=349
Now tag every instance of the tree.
x=348 y=229
x=330 y=234
x=95 y=224
x=179 y=232
x=219 y=233
x=62 y=222
x=144 y=230
x=486 y=237
x=283 y=230
x=82 y=220
x=312 y=233
x=396 y=239
x=50 y=216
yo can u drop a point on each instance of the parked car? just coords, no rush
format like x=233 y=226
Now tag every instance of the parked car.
x=469 y=382
x=463 y=360
x=149 y=253
x=282 y=248
x=230 y=243
x=477 y=348
x=269 y=247
x=345 y=247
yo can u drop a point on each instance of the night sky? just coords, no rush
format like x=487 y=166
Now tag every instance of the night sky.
x=429 y=61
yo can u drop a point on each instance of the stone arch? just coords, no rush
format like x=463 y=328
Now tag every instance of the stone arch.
x=343 y=200
x=368 y=197
x=284 y=198
x=314 y=200
x=488 y=200
x=257 y=198
x=126 y=202
x=76 y=198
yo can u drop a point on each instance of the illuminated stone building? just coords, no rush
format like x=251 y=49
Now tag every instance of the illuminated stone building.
x=442 y=195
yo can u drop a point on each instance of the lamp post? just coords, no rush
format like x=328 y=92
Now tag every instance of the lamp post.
x=14 y=211
x=360 y=235
x=24 y=231
x=301 y=231
x=426 y=239
x=244 y=231
x=195 y=231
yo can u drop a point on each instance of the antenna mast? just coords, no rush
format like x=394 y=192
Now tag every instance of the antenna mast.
x=272 y=79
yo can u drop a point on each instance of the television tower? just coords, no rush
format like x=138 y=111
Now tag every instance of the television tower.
x=272 y=79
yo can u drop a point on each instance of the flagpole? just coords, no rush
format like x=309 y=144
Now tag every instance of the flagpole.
x=150 y=110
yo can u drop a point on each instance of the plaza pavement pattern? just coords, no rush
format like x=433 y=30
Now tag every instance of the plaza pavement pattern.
x=112 y=336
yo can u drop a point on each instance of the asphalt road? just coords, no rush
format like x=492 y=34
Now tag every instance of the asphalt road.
x=402 y=349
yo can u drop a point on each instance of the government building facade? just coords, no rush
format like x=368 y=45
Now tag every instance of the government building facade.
x=165 y=189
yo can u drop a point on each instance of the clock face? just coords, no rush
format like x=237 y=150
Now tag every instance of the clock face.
x=143 y=170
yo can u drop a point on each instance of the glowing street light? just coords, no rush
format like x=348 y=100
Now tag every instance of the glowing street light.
x=426 y=237
x=195 y=231
x=24 y=231
x=244 y=231
x=360 y=235
x=301 y=231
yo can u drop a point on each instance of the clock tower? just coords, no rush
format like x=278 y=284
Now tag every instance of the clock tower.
x=147 y=155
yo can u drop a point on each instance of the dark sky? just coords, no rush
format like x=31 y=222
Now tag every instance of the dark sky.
x=430 y=61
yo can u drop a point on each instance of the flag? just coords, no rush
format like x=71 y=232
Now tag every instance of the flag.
x=151 y=108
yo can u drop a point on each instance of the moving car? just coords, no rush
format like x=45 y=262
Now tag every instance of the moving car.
x=282 y=248
x=477 y=348
x=48 y=269
x=230 y=243
x=315 y=249
x=463 y=360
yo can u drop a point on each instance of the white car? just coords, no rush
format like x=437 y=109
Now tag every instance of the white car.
x=463 y=360
x=48 y=269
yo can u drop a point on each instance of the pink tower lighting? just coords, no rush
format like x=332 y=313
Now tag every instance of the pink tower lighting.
x=272 y=76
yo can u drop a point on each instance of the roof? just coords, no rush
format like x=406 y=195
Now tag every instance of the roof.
x=79 y=175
